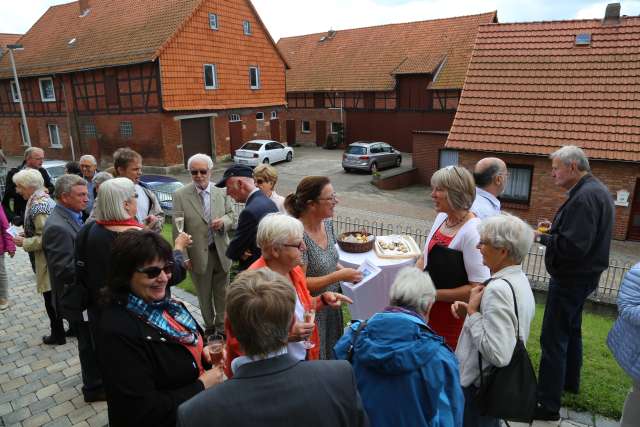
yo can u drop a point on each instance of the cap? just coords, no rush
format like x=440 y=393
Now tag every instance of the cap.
x=235 y=170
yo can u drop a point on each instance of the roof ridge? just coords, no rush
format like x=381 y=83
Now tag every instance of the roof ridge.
x=559 y=21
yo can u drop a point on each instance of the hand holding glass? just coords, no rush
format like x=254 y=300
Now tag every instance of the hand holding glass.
x=544 y=226
x=178 y=219
x=215 y=344
x=309 y=317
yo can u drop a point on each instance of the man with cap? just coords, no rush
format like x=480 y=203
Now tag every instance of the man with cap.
x=240 y=187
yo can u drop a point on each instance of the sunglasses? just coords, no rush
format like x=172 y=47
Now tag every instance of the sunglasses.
x=195 y=172
x=153 y=272
x=261 y=181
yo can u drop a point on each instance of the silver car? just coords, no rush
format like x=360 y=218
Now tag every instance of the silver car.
x=370 y=156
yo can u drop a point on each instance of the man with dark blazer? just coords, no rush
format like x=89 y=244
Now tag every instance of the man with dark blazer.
x=58 y=242
x=269 y=387
x=240 y=187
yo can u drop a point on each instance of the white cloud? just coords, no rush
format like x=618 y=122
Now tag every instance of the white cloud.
x=596 y=10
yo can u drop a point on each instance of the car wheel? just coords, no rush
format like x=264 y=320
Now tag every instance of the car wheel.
x=398 y=161
x=347 y=170
x=289 y=156
x=266 y=161
x=374 y=167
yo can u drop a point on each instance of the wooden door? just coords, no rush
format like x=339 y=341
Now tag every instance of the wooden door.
x=634 y=221
x=291 y=132
x=235 y=136
x=196 y=137
x=274 y=124
x=321 y=133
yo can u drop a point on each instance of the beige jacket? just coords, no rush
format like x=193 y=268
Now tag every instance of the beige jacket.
x=34 y=244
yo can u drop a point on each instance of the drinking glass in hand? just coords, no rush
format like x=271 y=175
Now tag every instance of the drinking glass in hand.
x=178 y=219
x=309 y=317
x=215 y=344
x=544 y=226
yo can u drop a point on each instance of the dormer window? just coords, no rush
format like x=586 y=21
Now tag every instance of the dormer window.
x=47 y=92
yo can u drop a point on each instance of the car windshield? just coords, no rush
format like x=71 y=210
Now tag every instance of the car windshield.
x=55 y=171
x=166 y=187
x=251 y=146
x=356 y=149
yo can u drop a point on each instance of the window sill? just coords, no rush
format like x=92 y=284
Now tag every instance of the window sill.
x=305 y=131
x=57 y=147
x=48 y=100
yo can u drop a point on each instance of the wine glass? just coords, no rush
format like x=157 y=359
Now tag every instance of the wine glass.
x=309 y=317
x=544 y=225
x=215 y=344
x=178 y=219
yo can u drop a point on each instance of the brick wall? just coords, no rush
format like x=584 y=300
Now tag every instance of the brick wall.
x=11 y=140
x=426 y=154
x=312 y=115
x=546 y=197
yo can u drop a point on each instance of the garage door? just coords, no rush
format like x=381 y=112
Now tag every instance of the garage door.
x=196 y=137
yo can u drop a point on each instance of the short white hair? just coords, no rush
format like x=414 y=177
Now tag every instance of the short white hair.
x=571 y=153
x=29 y=178
x=66 y=182
x=507 y=232
x=31 y=150
x=200 y=157
x=276 y=228
x=101 y=177
x=88 y=157
x=412 y=289
x=111 y=198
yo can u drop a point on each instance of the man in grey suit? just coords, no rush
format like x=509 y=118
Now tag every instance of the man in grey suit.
x=269 y=387
x=208 y=217
x=58 y=242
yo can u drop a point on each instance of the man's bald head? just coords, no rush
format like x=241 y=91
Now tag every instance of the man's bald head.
x=490 y=174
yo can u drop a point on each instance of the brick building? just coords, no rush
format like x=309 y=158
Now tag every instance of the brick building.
x=168 y=78
x=534 y=87
x=381 y=82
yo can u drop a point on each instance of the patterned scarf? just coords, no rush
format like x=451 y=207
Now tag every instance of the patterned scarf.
x=153 y=314
x=39 y=203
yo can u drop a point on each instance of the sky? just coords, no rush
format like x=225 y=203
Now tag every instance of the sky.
x=285 y=18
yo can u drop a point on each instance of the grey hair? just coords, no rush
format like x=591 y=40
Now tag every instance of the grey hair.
x=101 y=177
x=200 y=157
x=459 y=184
x=276 y=228
x=111 y=198
x=30 y=178
x=66 y=182
x=506 y=231
x=88 y=157
x=571 y=153
x=29 y=151
x=412 y=289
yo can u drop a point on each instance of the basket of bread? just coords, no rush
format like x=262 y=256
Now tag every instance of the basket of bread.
x=356 y=241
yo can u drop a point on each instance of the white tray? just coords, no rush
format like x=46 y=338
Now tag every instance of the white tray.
x=411 y=244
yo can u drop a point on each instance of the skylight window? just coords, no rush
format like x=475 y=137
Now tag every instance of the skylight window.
x=583 y=39
x=72 y=42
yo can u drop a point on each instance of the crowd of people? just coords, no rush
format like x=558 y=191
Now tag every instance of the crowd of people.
x=101 y=263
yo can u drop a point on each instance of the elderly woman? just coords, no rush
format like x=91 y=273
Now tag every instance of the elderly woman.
x=30 y=185
x=489 y=317
x=451 y=255
x=313 y=204
x=97 y=181
x=280 y=237
x=624 y=342
x=151 y=348
x=406 y=374
x=266 y=177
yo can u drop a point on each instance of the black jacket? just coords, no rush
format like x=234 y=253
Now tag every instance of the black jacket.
x=258 y=205
x=146 y=375
x=580 y=237
x=280 y=391
x=16 y=215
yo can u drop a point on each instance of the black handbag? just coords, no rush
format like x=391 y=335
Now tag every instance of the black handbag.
x=446 y=267
x=509 y=393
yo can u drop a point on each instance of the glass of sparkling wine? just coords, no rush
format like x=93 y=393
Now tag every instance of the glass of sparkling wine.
x=309 y=317
x=215 y=343
x=178 y=219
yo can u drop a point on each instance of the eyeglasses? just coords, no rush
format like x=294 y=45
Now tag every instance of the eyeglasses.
x=261 y=181
x=195 y=172
x=134 y=196
x=301 y=246
x=333 y=198
x=153 y=272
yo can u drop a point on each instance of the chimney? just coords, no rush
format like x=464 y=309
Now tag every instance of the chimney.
x=612 y=14
x=84 y=7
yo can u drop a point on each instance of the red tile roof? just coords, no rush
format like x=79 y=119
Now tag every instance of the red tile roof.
x=530 y=89
x=6 y=38
x=365 y=58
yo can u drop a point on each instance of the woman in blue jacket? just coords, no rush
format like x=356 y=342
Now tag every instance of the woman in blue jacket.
x=406 y=374
x=624 y=342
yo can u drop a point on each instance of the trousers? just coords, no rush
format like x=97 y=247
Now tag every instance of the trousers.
x=57 y=327
x=211 y=287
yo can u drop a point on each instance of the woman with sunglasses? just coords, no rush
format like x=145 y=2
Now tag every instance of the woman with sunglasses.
x=266 y=177
x=151 y=348
x=280 y=238
x=313 y=204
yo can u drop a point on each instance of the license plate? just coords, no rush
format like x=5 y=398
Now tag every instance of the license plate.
x=243 y=161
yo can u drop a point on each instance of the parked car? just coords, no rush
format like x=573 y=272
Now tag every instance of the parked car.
x=55 y=168
x=163 y=187
x=258 y=151
x=370 y=156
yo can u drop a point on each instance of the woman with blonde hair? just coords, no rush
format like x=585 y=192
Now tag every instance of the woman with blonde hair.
x=266 y=177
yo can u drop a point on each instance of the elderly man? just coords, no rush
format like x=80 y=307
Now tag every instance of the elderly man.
x=240 y=186
x=269 y=386
x=128 y=164
x=577 y=251
x=89 y=167
x=491 y=176
x=208 y=217
x=33 y=158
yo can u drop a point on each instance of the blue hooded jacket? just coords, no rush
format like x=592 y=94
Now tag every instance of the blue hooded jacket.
x=406 y=374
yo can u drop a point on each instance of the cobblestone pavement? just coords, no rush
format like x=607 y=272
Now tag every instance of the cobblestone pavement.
x=40 y=384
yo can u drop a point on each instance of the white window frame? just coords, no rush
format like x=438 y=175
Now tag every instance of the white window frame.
x=246 y=27
x=257 y=71
x=302 y=129
x=25 y=143
x=234 y=117
x=260 y=113
x=274 y=115
x=334 y=131
x=215 y=76
x=40 y=81
x=53 y=128
x=519 y=181
x=213 y=24
x=14 y=91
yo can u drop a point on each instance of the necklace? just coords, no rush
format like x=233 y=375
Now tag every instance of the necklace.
x=455 y=224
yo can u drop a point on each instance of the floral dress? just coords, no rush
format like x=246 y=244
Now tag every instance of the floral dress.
x=321 y=262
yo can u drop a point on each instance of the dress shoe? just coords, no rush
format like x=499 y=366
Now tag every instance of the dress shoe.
x=53 y=340
x=95 y=396
x=71 y=332
x=543 y=414
x=4 y=303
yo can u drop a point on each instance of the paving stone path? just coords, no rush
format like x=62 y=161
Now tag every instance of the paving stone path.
x=40 y=384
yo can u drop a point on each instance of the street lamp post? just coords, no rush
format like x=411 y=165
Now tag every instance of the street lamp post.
x=11 y=48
